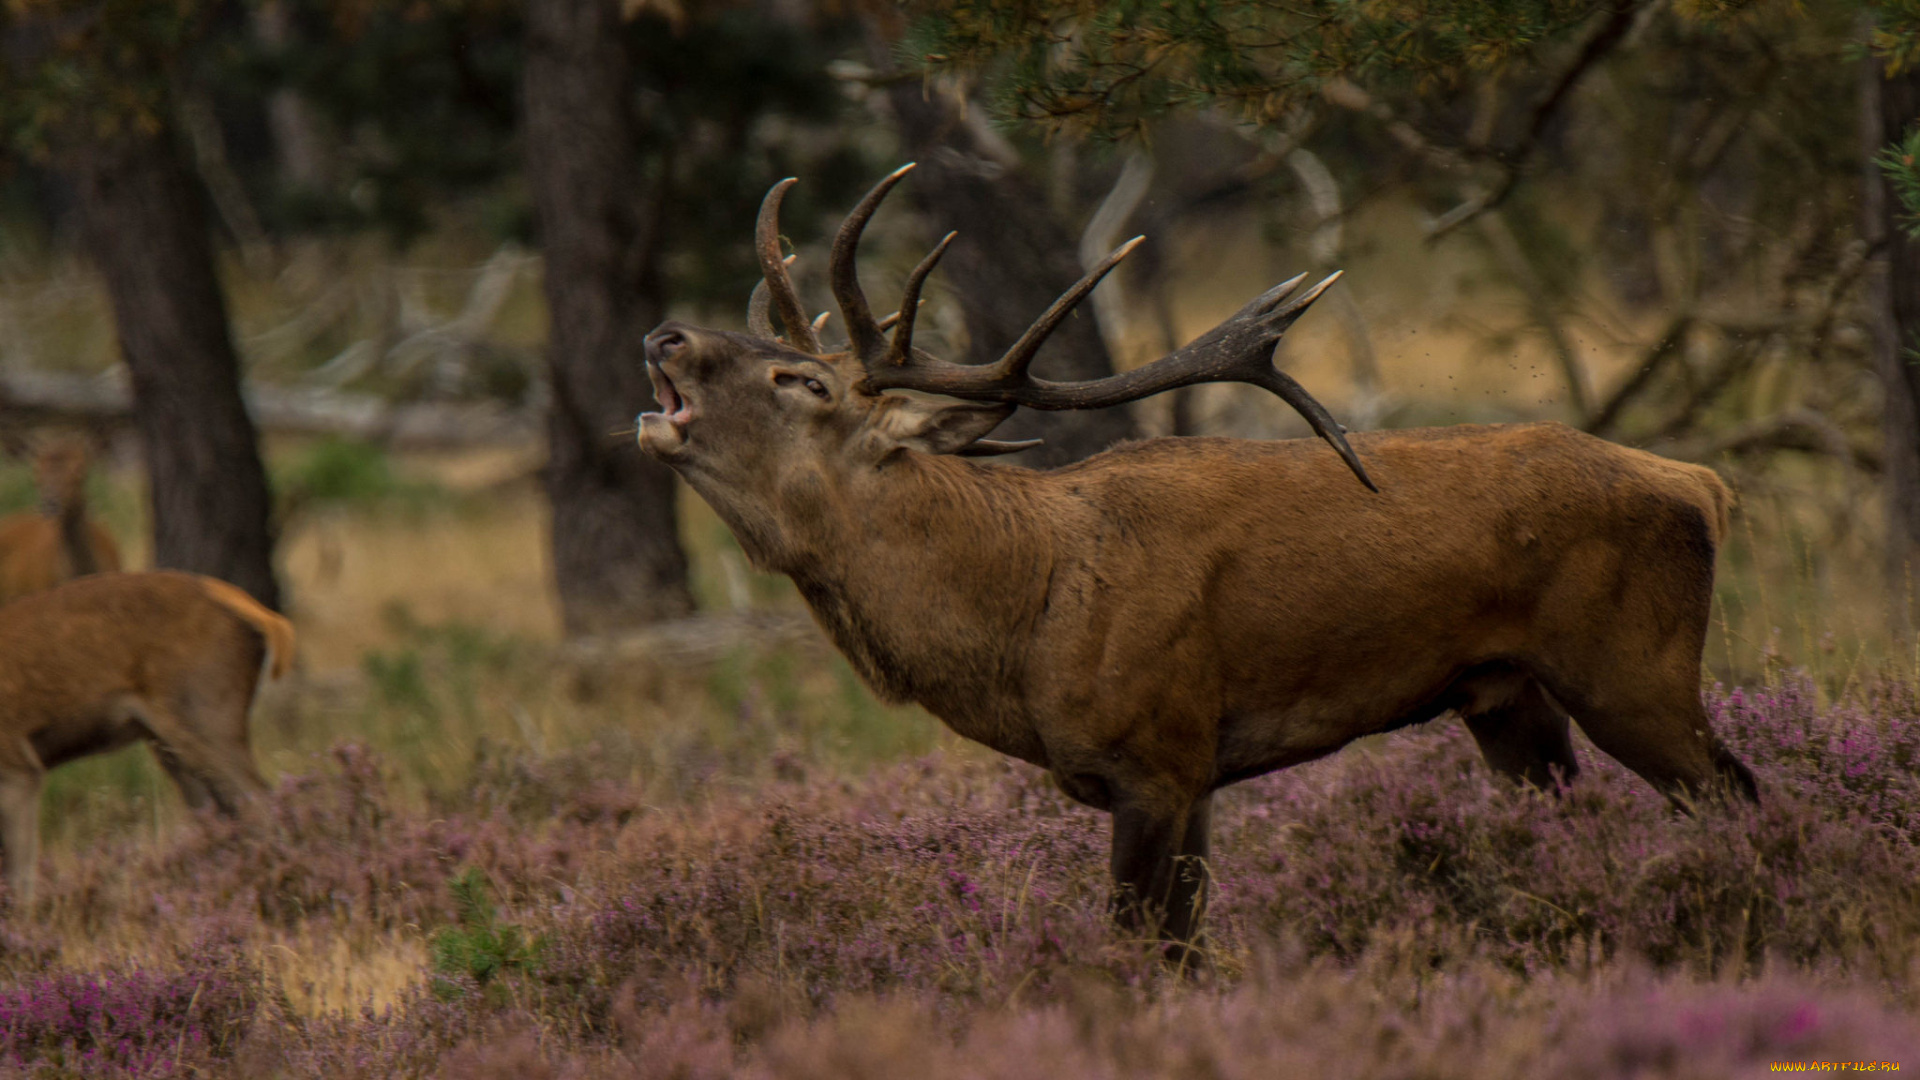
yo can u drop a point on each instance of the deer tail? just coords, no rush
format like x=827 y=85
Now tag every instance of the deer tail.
x=273 y=627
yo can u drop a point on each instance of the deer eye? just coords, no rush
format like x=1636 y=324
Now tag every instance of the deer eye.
x=815 y=386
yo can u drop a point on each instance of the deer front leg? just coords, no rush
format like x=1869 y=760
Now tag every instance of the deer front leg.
x=1150 y=896
x=20 y=776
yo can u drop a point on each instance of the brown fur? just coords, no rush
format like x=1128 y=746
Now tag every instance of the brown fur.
x=58 y=542
x=110 y=659
x=273 y=628
x=1175 y=615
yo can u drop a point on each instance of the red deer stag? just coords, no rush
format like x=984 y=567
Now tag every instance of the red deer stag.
x=1175 y=615
x=106 y=660
x=41 y=550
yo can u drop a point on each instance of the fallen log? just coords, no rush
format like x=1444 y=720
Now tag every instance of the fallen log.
x=40 y=397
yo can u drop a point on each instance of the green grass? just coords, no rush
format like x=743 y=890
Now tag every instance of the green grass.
x=335 y=473
x=110 y=794
x=478 y=946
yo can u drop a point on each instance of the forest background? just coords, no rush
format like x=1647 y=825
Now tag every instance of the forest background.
x=352 y=291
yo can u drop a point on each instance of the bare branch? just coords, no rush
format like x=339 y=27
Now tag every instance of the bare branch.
x=1803 y=430
x=1666 y=346
x=1507 y=248
x=1512 y=158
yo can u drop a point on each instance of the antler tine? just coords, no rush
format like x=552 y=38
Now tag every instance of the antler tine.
x=1289 y=390
x=1281 y=291
x=901 y=348
x=863 y=335
x=759 y=307
x=1298 y=305
x=766 y=236
x=1017 y=359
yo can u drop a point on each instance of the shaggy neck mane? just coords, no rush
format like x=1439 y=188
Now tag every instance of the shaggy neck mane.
x=891 y=562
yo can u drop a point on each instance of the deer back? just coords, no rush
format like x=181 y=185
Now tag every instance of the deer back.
x=75 y=650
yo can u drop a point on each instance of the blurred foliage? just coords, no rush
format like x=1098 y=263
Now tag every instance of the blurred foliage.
x=416 y=102
x=79 y=69
x=1896 y=42
x=1901 y=164
x=1111 y=66
x=406 y=109
x=1896 y=34
x=416 y=105
x=338 y=472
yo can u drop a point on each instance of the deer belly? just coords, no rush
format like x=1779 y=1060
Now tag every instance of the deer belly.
x=61 y=742
x=1252 y=746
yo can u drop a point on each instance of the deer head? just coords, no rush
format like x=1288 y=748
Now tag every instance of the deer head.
x=760 y=423
x=60 y=461
x=60 y=466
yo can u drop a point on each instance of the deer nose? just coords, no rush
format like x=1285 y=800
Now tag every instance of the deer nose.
x=664 y=342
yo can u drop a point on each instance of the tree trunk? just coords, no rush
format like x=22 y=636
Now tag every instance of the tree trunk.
x=1011 y=259
x=146 y=225
x=303 y=158
x=616 y=549
x=1890 y=106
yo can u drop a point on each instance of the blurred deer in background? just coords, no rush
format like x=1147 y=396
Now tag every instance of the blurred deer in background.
x=59 y=542
x=110 y=659
x=1175 y=615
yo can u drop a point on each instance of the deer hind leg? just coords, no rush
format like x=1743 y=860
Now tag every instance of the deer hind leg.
x=1651 y=720
x=20 y=777
x=206 y=770
x=192 y=788
x=1522 y=733
x=1618 y=642
x=207 y=761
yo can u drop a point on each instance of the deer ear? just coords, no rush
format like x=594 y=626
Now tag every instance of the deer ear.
x=936 y=427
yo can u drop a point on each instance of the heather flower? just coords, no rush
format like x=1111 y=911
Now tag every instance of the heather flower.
x=1392 y=910
x=138 y=1022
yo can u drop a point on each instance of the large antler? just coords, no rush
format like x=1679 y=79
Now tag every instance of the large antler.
x=1238 y=350
x=773 y=270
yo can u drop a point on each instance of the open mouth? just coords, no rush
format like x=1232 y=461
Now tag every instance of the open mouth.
x=674 y=406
